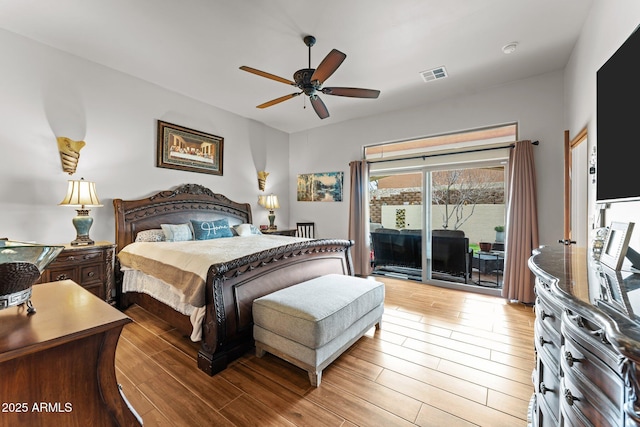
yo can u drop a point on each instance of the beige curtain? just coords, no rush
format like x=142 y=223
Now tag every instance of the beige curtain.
x=358 y=217
x=522 y=224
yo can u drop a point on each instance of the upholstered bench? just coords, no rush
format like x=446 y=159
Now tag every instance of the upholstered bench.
x=312 y=323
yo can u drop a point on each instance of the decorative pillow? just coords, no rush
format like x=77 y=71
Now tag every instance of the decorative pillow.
x=177 y=232
x=153 y=235
x=246 y=229
x=206 y=230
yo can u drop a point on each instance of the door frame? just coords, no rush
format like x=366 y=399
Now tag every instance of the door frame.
x=569 y=146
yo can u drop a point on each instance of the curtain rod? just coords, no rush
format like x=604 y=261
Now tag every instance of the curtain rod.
x=424 y=156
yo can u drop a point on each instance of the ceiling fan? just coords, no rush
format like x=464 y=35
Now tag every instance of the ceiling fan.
x=310 y=80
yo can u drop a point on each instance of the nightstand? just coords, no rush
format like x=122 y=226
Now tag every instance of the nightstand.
x=291 y=232
x=89 y=266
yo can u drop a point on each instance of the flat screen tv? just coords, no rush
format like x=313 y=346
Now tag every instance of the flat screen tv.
x=618 y=124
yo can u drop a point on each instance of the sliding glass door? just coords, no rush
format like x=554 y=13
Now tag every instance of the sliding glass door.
x=438 y=237
x=396 y=223
x=438 y=203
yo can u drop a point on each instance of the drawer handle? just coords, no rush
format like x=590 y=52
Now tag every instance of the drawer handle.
x=602 y=335
x=544 y=389
x=543 y=341
x=576 y=318
x=570 y=398
x=71 y=258
x=91 y=274
x=544 y=315
x=62 y=277
x=570 y=359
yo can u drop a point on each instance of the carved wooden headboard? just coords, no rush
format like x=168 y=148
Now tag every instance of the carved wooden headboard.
x=186 y=202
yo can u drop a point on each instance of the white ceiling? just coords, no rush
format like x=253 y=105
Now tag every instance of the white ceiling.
x=194 y=47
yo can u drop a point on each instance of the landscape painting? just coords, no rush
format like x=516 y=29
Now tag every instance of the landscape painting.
x=320 y=187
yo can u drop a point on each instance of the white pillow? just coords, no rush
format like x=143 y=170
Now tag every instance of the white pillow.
x=153 y=235
x=177 y=232
x=246 y=229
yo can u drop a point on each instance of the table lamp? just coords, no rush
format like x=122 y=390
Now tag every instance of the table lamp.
x=271 y=203
x=82 y=195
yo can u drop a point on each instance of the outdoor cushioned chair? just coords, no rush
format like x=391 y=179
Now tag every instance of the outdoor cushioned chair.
x=451 y=254
x=403 y=248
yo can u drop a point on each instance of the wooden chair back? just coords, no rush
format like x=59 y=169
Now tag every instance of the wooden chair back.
x=306 y=229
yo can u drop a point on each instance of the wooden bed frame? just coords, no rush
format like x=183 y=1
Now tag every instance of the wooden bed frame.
x=231 y=287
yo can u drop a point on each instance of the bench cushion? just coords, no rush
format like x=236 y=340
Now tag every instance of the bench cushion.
x=315 y=312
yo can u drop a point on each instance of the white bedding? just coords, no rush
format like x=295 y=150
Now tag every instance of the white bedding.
x=175 y=272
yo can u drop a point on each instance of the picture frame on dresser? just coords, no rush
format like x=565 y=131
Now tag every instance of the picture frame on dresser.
x=613 y=292
x=616 y=244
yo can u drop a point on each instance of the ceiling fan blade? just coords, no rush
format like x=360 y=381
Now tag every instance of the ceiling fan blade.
x=319 y=107
x=328 y=66
x=278 y=100
x=352 y=92
x=268 y=75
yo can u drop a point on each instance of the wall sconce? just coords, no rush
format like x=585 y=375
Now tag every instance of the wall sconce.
x=271 y=203
x=69 y=153
x=262 y=179
x=82 y=195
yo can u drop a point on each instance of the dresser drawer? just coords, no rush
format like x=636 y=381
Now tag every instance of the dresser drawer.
x=580 y=400
x=62 y=273
x=544 y=415
x=76 y=256
x=547 y=387
x=589 y=360
x=91 y=273
x=590 y=335
x=548 y=311
x=547 y=342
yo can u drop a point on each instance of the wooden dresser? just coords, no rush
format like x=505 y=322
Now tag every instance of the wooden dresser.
x=587 y=341
x=57 y=365
x=89 y=266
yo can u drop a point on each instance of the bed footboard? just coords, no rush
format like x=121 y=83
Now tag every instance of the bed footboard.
x=232 y=286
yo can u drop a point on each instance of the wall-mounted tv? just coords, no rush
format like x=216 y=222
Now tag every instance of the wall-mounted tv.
x=618 y=124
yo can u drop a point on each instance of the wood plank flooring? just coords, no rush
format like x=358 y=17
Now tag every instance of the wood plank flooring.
x=442 y=358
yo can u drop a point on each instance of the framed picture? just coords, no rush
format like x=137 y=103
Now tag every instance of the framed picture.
x=188 y=150
x=613 y=291
x=616 y=244
x=320 y=187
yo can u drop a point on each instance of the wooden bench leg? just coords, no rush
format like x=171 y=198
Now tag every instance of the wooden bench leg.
x=315 y=378
x=259 y=350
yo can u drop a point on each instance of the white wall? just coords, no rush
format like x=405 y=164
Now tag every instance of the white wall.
x=535 y=103
x=607 y=27
x=47 y=93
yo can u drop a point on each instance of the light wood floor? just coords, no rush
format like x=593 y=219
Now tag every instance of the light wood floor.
x=442 y=358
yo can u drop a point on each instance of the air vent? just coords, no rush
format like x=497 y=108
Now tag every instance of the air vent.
x=435 y=74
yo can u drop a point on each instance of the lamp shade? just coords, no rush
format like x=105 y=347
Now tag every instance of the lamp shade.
x=81 y=194
x=271 y=202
